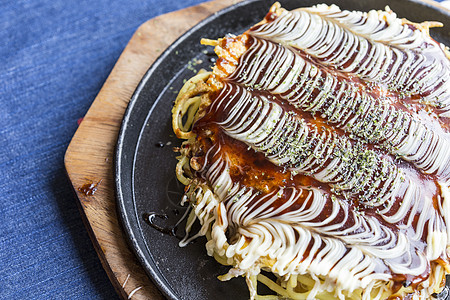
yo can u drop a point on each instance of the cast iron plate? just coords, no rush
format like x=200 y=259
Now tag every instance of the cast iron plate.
x=145 y=176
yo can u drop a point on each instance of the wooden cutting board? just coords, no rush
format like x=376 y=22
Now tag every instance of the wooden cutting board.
x=89 y=157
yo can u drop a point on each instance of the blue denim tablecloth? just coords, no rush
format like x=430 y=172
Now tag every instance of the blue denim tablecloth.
x=54 y=57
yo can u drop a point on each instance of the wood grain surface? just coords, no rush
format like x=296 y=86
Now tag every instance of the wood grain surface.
x=89 y=157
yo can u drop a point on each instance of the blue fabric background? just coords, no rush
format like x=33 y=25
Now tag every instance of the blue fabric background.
x=54 y=57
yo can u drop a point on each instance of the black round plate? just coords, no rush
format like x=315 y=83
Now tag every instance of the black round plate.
x=145 y=162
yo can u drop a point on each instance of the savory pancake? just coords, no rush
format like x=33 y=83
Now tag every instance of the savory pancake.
x=318 y=150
